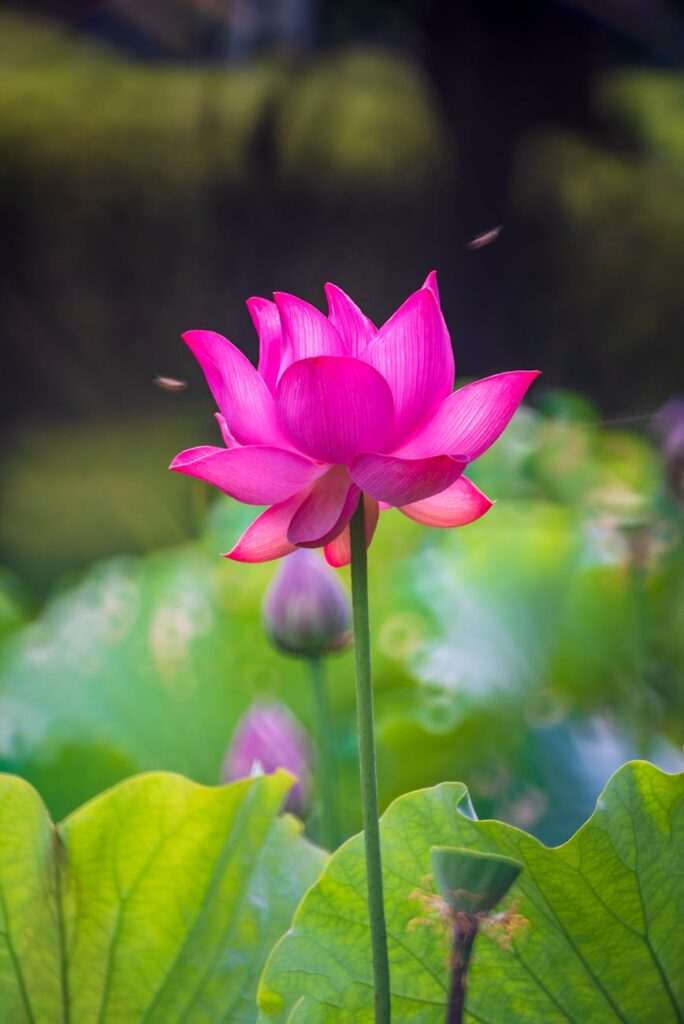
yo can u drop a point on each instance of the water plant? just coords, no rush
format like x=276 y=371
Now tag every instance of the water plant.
x=340 y=419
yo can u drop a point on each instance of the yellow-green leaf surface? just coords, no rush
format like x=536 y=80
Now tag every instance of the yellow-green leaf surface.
x=155 y=903
x=601 y=939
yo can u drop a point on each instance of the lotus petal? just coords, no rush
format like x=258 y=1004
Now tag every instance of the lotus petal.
x=240 y=393
x=413 y=353
x=334 y=407
x=431 y=283
x=266 y=319
x=327 y=509
x=266 y=538
x=354 y=327
x=457 y=505
x=404 y=481
x=306 y=331
x=228 y=438
x=472 y=418
x=254 y=474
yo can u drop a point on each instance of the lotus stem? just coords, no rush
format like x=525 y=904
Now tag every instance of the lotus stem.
x=638 y=538
x=325 y=734
x=367 y=766
x=465 y=934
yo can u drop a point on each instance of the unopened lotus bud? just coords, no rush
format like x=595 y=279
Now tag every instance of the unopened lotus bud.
x=269 y=737
x=669 y=429
x=306 y=609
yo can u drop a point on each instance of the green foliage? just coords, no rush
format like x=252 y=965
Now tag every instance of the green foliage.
x=141 y=659
x=143 y=129
x=13 y=603
x=75 y=494
x=595 y=936
x=647 y=105
x=362 y=125
x=359 y=119
x=516 y=652
x=149 y=663
x=156 y=902
x=606 y=223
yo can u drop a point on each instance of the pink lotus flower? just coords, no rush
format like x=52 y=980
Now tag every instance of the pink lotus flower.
x=339 y=408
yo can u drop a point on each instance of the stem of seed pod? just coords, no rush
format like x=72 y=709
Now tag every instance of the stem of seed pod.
x=369 y=787
x=465 y=933
x=326 y=753
x=639 y=541
x=640 y=681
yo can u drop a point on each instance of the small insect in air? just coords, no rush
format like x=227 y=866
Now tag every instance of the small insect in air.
x=486 y=238
x=170 y=383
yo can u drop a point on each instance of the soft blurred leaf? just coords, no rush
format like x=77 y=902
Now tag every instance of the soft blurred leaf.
x=13 y=603
x=152 y=660
x=602 y=918
x=603 y=221
x=361 y=124
x=495 y=594
x=157 y=901
x=481 y=636
x=148 y=663
x=74 y=494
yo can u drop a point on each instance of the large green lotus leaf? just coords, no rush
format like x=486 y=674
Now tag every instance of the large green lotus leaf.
x=602 y=938
x=158 y=901
x=147 y=663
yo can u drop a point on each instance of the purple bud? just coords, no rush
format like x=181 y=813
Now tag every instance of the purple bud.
x=669 y=428
x=268 y=737
x=306 y=608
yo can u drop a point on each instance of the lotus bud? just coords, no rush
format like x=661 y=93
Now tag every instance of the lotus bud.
x=306 y=609
x=669 y=429
x=269 y=737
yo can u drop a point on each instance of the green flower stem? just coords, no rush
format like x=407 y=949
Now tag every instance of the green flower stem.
x=640 y=680
x=325 y=734
x=639 y=541
x=369 y=787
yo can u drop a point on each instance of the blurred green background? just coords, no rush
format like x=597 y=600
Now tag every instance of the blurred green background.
x=160 y=163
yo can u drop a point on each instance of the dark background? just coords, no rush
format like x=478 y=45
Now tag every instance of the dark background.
x=162 y=161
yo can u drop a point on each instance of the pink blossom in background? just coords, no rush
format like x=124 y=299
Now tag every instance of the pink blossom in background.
x=266 y=738
x=338 y=408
